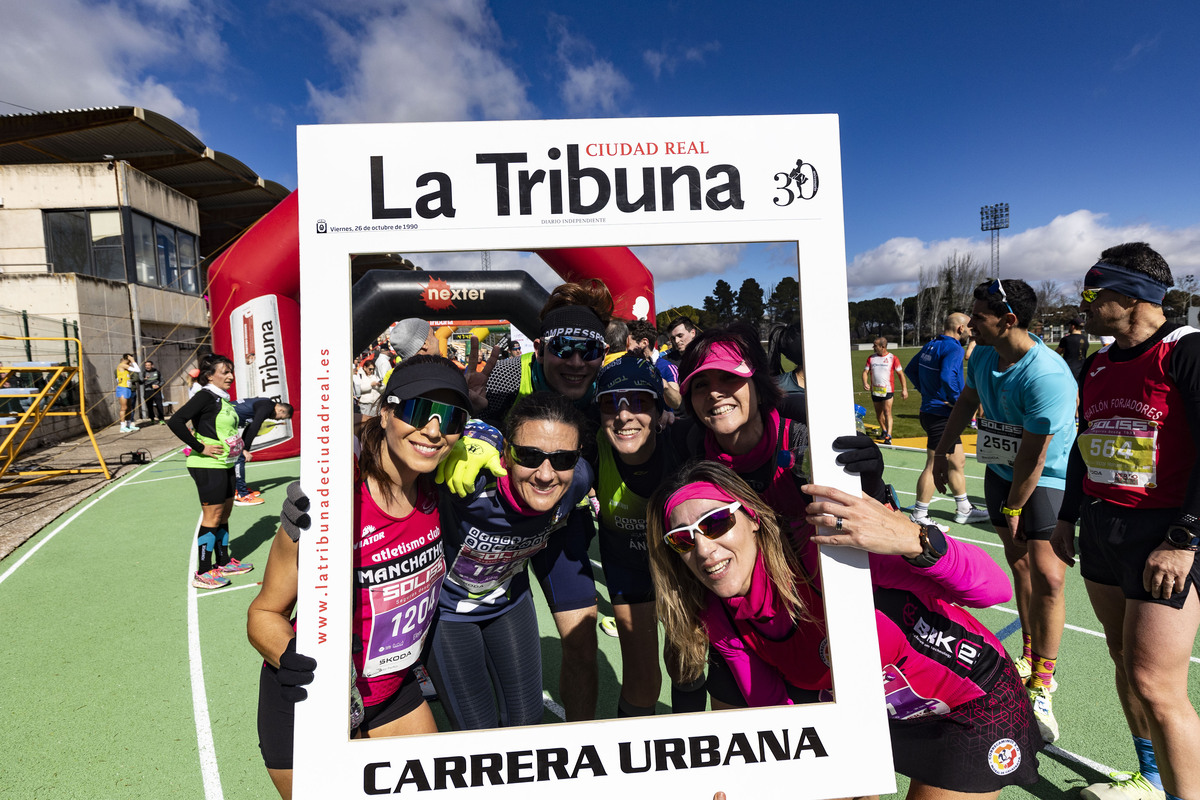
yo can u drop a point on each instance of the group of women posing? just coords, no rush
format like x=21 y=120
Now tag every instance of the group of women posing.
x=708 y=526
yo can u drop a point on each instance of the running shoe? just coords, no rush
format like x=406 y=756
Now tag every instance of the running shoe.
x=608 y=625
x=213 y=579
x=887 y=439
x=1123 y=787
x=1025 y=672
x=235 y=567
x=971 y=516
x=1043 y=712
x=248 y=500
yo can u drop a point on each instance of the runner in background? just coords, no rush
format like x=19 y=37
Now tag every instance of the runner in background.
x=1025 y=435
x=1133 y=485
x=937 y=373
x=1074 y=347
x=879 y=378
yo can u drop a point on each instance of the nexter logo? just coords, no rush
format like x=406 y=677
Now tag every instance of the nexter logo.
x=439 y=295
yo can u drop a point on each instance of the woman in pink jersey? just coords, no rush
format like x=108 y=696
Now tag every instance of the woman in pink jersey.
x=960 y=723
x=398 y=569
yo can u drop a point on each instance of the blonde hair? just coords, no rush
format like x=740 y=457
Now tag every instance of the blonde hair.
x=679 y=595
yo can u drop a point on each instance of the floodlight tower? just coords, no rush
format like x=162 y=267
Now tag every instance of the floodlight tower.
x=994 y=218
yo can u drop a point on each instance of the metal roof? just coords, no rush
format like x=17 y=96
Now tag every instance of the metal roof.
x=231 y=197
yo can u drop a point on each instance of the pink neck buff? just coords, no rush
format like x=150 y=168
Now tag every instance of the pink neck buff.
x=512 y=498
x=760 y=604
x=761 y=452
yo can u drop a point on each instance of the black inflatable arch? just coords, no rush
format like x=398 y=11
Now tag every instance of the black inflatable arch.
x=381 y=297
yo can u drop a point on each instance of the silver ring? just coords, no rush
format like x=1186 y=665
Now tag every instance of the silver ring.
x=838 y=525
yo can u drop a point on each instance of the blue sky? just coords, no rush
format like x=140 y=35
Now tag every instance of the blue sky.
x=1083 y=116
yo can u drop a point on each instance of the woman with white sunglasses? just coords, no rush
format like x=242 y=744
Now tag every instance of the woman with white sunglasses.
x=726 y=576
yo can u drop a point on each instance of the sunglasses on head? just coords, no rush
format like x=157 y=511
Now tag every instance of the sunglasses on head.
x=565 y=346
x=636 y=400
x=996 y=287
x=419 y=410
x=533 y=457
x=1090 y=295
x=715 y=523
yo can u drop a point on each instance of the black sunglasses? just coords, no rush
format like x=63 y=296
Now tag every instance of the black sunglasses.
x=564 y=346
x=533 y=457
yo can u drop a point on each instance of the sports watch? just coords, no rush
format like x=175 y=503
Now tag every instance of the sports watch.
x=933 y=547
x=1182 y=535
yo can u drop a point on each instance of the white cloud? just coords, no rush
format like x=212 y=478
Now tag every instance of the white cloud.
x=1061 y=251
x=590 y=84
x=72 y=54
x=678 y=262
x=669 y=57
x=419 y=62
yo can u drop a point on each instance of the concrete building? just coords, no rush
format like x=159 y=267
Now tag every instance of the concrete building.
x=107 y=220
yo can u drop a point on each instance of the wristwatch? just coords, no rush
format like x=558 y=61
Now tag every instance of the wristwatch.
x=1183 y=538
x=933 y=547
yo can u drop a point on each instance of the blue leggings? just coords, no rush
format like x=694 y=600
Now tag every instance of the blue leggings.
x=510 y=692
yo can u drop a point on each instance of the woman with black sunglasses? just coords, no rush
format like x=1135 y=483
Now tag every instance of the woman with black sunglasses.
x=727 y=577
x=397 y=543
x=485 y=652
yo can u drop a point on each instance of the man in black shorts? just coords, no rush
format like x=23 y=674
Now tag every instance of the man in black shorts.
x=937 y=373
x=1133 y=486
x=1028 y=399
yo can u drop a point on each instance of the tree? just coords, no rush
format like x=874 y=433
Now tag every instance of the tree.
x=721 y=305
x=663 y=318
x=750 y=302
x=961 y=274
x=899 y=308
x=784 y=303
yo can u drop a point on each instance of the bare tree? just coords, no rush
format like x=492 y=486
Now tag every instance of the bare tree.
x=1049 y=297
x=961 y=274
x=931 y=292
x=900 y=317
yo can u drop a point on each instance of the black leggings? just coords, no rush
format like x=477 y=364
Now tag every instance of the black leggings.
x=510 y=692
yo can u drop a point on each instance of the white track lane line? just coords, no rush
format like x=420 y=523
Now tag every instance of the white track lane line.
x=120 y=482
x=914 y=469
x=1076 y=628
x=209 y=773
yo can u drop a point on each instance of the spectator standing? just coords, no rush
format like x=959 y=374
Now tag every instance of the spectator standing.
x=879 y=378
x=1025 y=435
x=642 y=336
x=937 y=373
x=1074 y=347
x=680 y=332
x=367 y=388
x=253 y=413
x=1133 y=487
x=152 y=403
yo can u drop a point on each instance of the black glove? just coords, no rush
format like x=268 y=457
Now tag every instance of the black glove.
x=294 y=517
x=862 y=457
x=295 y=672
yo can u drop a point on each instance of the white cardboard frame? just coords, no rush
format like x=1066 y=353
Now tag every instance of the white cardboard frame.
x=419 y=160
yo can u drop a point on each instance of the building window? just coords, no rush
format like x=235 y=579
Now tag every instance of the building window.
x=91 y=243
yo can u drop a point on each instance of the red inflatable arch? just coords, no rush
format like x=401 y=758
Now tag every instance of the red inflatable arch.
x=254 y=293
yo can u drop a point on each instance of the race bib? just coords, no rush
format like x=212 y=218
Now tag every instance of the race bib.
x=401 y=613
x=480 y=572
x=879 y=391
x=998 y=442
x=902 y=701
x=1121 y=452
x=234 y=447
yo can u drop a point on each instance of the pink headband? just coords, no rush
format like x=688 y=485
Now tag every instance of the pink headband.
x=701 y=490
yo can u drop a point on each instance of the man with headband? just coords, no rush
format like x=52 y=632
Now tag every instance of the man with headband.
x=1025 y=435
x=1133 y=487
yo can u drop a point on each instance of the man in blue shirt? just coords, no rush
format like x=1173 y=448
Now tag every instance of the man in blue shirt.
x=1025 y=436
x=937 y=373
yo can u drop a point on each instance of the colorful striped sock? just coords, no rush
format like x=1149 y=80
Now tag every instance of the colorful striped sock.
x=1043 y=671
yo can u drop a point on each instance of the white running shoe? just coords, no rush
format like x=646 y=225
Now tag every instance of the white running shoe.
x=1131 y=787
x=1043 y=712
x=971 y=516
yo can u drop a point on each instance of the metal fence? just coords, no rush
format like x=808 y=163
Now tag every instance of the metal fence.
x=31 y=326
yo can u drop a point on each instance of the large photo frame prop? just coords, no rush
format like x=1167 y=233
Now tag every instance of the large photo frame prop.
x=443 y=187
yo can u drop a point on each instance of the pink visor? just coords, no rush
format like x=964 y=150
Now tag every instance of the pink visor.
x=723 y=356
